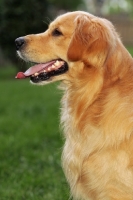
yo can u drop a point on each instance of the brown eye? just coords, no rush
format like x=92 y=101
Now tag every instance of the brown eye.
x=56 y=32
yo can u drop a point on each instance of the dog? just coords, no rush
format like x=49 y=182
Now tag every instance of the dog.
x=86 y=55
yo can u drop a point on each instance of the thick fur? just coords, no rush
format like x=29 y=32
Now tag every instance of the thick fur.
x=97 y=106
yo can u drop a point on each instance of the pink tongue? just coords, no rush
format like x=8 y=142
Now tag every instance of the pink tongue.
x=20 y=75
x=33 y=70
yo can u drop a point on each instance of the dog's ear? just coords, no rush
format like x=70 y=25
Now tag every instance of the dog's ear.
x=92 y=39
x=83 y=36
x=76 y=46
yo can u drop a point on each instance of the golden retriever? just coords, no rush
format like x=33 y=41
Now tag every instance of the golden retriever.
x=86 y=54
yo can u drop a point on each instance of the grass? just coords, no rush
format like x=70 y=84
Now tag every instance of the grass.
x=30 y=143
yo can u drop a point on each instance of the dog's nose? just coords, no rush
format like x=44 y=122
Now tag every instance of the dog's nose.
x=19 y=42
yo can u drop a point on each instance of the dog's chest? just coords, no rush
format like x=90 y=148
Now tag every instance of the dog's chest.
x=77 y=147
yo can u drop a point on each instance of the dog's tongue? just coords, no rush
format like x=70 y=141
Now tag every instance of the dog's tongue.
x=33 y=70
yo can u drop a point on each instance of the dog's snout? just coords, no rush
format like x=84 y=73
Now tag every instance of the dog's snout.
x=19 y=42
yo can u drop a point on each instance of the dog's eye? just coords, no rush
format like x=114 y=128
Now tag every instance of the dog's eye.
x=56 y=32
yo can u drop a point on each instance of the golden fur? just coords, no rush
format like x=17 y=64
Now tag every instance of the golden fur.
x=97 y=106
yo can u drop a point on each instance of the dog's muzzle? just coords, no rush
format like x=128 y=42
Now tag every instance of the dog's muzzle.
x=40 y=71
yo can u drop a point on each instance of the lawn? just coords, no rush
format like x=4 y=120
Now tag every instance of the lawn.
x=30 y=142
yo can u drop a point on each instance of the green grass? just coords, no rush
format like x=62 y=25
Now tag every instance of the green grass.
x=30 y=142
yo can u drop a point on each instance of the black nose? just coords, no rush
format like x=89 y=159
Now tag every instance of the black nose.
x=19 y=42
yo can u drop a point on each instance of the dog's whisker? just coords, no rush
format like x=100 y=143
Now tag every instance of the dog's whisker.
x=47 y=21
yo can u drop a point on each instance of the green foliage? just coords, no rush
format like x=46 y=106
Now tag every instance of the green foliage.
x=130 y=49
x=130 y=2
x=30 y=143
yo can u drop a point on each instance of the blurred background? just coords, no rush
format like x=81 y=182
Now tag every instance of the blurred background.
x=30 y=138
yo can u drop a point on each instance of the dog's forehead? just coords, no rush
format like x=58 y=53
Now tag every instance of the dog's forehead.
x=69 y=18
x=63 y=23
x=65 y=19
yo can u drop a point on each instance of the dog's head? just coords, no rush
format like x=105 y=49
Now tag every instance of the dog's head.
x=73 y=42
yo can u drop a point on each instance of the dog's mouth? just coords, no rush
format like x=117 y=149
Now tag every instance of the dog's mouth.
x=42 y=72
